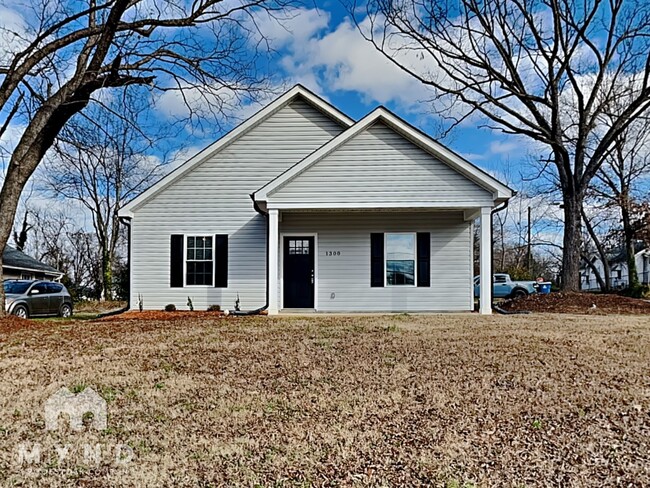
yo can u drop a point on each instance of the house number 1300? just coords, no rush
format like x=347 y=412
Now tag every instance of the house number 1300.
x=332 y=253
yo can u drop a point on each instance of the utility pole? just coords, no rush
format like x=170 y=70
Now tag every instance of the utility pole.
x=529 y=260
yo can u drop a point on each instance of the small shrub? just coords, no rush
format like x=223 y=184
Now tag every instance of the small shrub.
x=190 y=304
x=214 y=308
x=170 y=307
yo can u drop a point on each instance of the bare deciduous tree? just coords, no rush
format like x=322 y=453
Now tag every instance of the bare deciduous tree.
x=550 y=71
x=59 y=241
x=101 y=162
x=69 y=51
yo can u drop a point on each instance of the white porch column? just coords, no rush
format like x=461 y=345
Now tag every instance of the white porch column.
x=274 y=215
x=485 y=307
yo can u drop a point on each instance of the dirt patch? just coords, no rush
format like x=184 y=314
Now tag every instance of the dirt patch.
x=440 y=400
x=580 y=303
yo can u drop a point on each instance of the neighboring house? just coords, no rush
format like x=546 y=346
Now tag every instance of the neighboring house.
x=619 y=276
x=347 y=216
x=17 y=265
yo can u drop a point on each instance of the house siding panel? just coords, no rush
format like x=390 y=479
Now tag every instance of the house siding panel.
x=212 y=199
x=347 y=275
x=381 y=166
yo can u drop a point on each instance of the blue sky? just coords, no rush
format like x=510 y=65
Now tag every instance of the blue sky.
x=321 y=48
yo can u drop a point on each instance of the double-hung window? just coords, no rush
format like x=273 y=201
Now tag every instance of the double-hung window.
x=400 y=259
x=200 y=260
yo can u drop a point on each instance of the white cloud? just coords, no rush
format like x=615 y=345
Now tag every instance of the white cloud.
x=294 y=27
x=222 y=105
x=339 y=59
x=8 y=142
x=13 y=33
x=181 y=156
x=506 y=147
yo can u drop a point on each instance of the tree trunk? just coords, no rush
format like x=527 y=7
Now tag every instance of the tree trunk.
x=12 y=187
x=21 y=237
x=599 y=278
x=572 y=241
x=628 y=231
x=107 y=276
x=604 y=287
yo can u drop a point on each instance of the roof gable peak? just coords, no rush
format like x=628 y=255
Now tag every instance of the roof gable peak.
x=406 y=130
x=298 y=91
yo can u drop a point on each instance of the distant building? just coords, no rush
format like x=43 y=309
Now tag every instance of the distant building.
x=619 y=276
x=17 y=265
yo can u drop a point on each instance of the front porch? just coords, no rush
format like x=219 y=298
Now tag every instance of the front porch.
x=322 y=260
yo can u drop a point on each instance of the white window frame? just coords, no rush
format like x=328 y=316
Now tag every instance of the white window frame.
x=185 y=260
x=415 y=259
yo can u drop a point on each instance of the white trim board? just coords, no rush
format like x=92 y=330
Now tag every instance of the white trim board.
x=500 y=191
x=284 y=100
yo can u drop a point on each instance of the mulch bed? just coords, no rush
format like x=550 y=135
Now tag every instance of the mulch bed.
x=580 y=303
x=162 y=315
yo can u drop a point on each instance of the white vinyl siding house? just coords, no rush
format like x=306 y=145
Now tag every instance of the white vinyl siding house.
x=320 y=186
x=619 y=274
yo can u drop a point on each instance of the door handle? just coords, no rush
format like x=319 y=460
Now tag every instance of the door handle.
x=312 y=276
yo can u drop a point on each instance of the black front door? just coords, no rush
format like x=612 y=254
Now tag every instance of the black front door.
x=298 y=272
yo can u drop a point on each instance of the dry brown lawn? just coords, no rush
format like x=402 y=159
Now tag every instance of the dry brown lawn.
x=444 y=400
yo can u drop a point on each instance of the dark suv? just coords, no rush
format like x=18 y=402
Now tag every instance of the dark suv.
x=37 y=298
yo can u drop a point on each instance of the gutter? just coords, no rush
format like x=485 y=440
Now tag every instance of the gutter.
x=57 y=275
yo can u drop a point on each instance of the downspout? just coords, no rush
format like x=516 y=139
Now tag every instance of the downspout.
x=495 y=307
x=503 y=206
x=257 y=311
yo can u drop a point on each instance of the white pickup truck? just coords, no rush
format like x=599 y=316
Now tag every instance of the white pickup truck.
x=504 y=287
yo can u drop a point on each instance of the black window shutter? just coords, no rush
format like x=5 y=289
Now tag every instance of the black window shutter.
x=377 y=260
x=221 y=261
x=176 y=261
x=424 y=258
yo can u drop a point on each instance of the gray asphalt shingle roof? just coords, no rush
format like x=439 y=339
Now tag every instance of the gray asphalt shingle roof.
x=17 y=259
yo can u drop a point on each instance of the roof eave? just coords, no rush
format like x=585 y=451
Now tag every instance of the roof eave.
x=501 y=192
x=288 y=97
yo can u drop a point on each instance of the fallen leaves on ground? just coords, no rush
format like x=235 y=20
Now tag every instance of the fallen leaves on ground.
x=442 y=400
x=583 y=303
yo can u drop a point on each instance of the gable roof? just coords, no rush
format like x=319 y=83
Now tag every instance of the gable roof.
x=13 y=258
x=500 y=191
x=297 y=92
